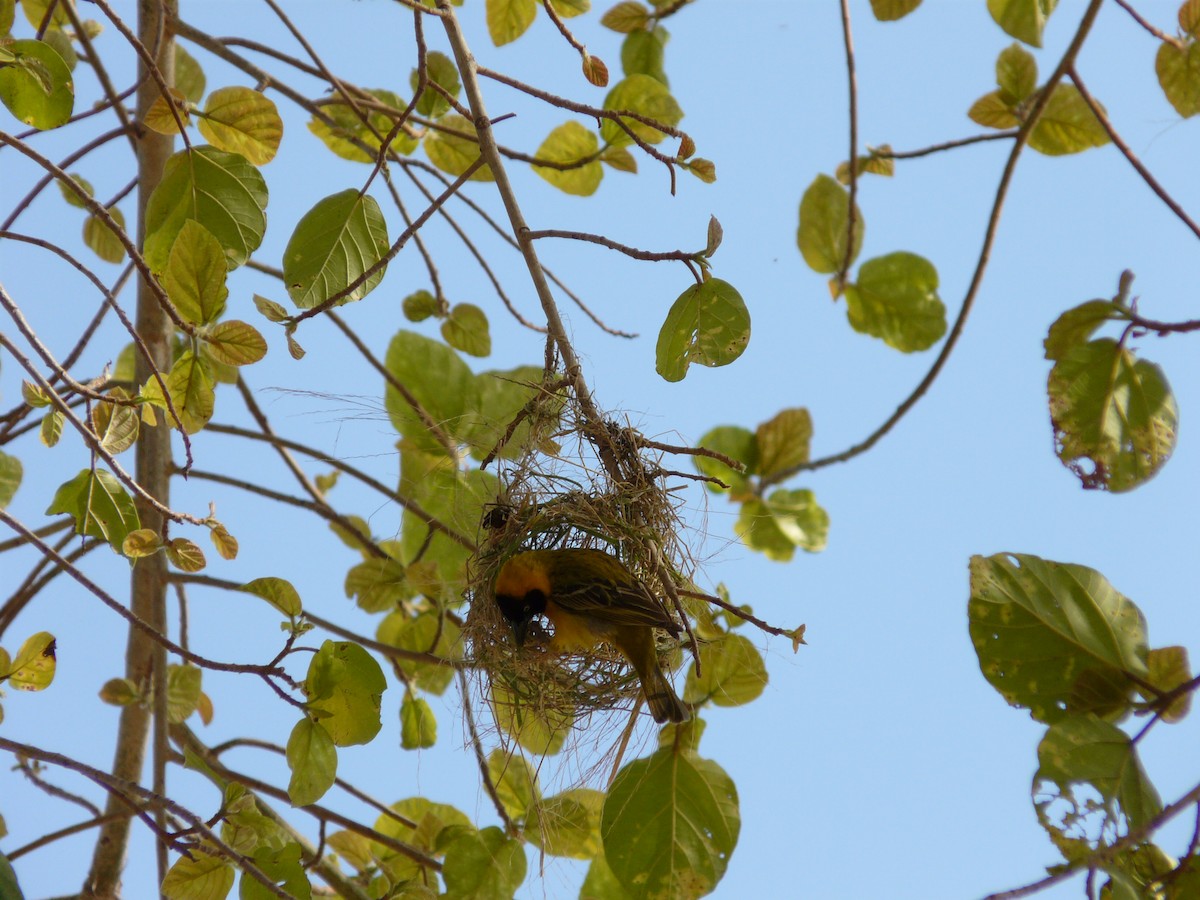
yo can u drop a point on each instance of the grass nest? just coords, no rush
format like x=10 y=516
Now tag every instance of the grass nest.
x=536 y=694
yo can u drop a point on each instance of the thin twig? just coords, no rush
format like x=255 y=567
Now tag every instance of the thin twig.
x=1118 y=141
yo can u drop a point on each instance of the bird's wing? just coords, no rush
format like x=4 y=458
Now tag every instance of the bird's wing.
x=616 y=603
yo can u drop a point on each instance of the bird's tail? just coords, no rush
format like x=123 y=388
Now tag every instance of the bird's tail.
x=664 y=704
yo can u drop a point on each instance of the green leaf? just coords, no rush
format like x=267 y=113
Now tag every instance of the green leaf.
x=733 y=673
x=823 y=230
x=567 y=824
x=1178 y=70
x=189 y=77
x=36 y=86
x=507 y=20
x=427 y=632
x=1038 y=626
x=642 y=54
x=235 y=343
x=484 y=865
x=515 y=781
x=377 y=585
x=418 y=725
x=568 y=144
x=435 y=824
x=440 y=70
x=348 y=130
x=645 y=96
x=8 y=10
x=1016 y=73
x=891 y=10
x=1086 y=751
x=1114 y=416
x=195 y=275
x=190 y=384
x=1169 y=669
x=466 y=329
x=284 y=867
x=183 y=692
x=1067 y=125
x=783 y=442
x=1074 y=327
x=455 y=152
x=33 y=668
x=454 y=497
x=101 y=239
x=11 y=472
x=344 y=687
x=895 y=299
x=539 y=728
x=202 y=877
x=220 y=190
x=501 y=395
x=625 y=17
x=312 y=759
x=72 y=196
x=278 y=592
x=1023 y=19
x=737 y=443
x=784 y=521
x=242 y=120
x=420 y=305
x=334 y=243
x=708 y=324
x=670 y=824
x=99 y=505
x=439 y=381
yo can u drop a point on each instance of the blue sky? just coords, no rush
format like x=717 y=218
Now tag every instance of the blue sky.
x=878 y=762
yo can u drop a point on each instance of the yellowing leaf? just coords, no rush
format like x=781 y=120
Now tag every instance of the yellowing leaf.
x=242 y=120
x=1023 y=19
x=453 y=148
x=570 y=144
x=235 y=343
x=507 y=20
x=165 y=117
x=32 y=669
x=645 y=96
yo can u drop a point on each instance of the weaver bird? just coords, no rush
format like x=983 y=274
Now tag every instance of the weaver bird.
x=590 y=597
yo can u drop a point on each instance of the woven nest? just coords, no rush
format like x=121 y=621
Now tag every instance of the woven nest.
x=635 y=522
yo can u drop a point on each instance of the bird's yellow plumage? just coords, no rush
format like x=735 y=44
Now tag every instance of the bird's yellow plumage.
x=590 y=597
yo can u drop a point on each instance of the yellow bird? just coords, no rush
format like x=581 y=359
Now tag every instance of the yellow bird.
x=590 y=597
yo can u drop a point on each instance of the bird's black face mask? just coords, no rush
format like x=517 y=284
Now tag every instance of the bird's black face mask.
x=520 y=611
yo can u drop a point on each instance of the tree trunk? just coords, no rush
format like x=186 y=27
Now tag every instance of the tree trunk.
x=145 y=660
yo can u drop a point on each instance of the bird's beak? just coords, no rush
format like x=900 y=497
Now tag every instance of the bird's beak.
x=520 y=631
